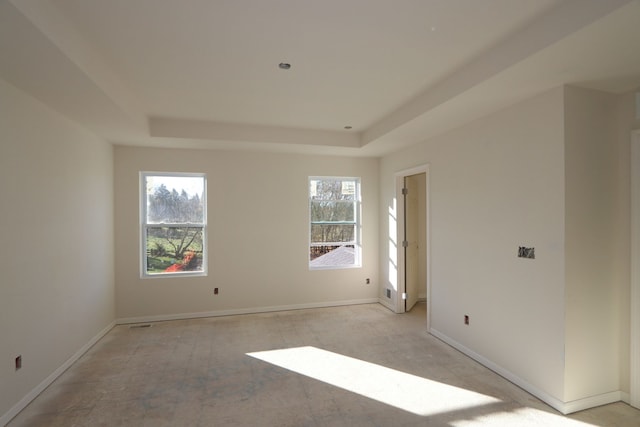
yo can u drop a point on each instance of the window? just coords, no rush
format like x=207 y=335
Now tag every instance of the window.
x=173 y=216
x=334 y=213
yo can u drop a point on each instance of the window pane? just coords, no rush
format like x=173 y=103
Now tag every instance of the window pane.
x=337 y=210
x=332 y=256
x=332 y=233
x=333 y=215
x=174 y=249
x=175 y=199
x=332 y=189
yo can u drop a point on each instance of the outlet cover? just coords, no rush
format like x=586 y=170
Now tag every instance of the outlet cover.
x=524 y=252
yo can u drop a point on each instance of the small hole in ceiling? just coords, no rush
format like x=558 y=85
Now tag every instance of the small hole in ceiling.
x=284 y=65
x=348 y=127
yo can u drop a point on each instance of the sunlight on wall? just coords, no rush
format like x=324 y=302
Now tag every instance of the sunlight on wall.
x=408 y=392
x=393 y=246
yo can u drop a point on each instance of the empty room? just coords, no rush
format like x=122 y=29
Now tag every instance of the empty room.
x=320 y=213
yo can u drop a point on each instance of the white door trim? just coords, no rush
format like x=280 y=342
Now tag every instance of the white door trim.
x=634 y=330
x=399 y=184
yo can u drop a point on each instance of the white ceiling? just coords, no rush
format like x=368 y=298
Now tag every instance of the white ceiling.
x=204 y=73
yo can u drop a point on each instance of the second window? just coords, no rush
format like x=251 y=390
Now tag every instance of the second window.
x=334 y=213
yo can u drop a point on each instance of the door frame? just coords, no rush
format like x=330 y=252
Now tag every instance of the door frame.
x=399 y=184
x=634 y=309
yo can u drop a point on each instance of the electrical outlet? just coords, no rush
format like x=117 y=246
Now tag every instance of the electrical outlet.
x=215 y=291
x=524 y=252
x=368 y=281
x=466 y=319
x=18 y=362
x=388 y=293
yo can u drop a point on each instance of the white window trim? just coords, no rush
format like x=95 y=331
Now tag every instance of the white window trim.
x=143 y=228
x=358 y=223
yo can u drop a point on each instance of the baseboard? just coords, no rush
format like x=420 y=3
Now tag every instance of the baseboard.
x=15 y=410
x=592 y=402
x=386 y=303
x=251 y=310
x=563 y=407
x=550 y=400
x=625 y=397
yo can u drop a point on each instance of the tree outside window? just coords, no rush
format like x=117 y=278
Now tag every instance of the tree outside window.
x=334 y=204
x=173 y=224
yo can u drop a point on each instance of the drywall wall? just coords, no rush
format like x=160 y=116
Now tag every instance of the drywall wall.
x=626 y=122
x=592 y=304
x=495 y=184
x=422 y=238
x=258 y=234
x=57 y=286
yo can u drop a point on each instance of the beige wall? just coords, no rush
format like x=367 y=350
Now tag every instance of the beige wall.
x=258 y=234
x=496 y=184
x=593 y=306
x=551 y=172
x=626 y=121
x=422 y=238
x=56 y=256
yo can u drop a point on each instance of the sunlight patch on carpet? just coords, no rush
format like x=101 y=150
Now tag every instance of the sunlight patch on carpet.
x=521 y=417
x=404 y=391
x=408 y=392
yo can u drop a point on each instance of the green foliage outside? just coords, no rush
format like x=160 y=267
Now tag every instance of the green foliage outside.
x=167 y=246
x=174 y=245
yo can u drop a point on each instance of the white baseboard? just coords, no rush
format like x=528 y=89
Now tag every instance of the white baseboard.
x=563 y=407
x=4 y=419
x=387 y=303
x=251 y=310
x=592 y=402
x=625 y=397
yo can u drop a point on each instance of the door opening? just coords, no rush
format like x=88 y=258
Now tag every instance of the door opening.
x=413 y=254
x=414 y=243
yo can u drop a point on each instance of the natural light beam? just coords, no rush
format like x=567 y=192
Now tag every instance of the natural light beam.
x=404 y=391
x=521 y=417
x=393 y=225
x=393 y=247
x=408 y=392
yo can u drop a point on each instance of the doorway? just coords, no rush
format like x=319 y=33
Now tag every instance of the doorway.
x=413 y=255
x=415 y=218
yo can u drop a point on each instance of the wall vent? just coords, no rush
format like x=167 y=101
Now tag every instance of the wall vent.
x=144 y=325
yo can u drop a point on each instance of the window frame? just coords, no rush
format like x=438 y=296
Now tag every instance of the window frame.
x=145 y=225
x=357 y=222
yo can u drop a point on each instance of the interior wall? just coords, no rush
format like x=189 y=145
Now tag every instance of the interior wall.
x=57 y=286
x=495 y=184
x=258 y=234
x=422 y=235
x=592 y=288
x=627 y=119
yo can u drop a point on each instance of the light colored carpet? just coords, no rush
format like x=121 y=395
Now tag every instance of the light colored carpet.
x=344 y=366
